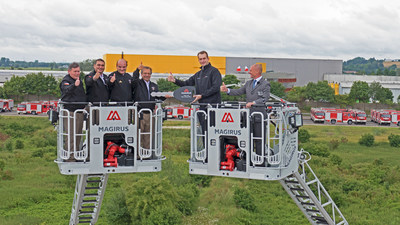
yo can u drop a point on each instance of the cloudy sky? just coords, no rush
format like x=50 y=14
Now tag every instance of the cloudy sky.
x=75 y=30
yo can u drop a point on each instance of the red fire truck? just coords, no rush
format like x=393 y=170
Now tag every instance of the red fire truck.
x=383 y=116
x=179 y=112
x=360 y=116
x=317 y=115
x=340 y=116
x=6 y=105
x=36 y=107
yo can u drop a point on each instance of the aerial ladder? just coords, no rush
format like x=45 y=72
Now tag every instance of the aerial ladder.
x=110 y=142
x=263 y=145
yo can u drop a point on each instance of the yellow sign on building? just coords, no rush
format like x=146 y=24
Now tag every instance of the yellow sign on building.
x=163 y=63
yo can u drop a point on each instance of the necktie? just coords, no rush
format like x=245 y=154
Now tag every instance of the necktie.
x=148 y=90
x=254 y=83
x=102 y=79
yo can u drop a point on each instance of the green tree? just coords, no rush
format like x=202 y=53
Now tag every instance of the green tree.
x=34 y=84
x=343 y=100
x=231 y=80
x=296 y=94
x=320 y=91
x=14 y=87
x=359 y=91
x=278 y=89
x=387 y=96
x=87 y=65
x=379 y=93
x=165 y=85
x=374 y=90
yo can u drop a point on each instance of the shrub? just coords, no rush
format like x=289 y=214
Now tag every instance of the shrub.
x=243 y=199
x=367 y=140
x=344 y=140
x=304 y=136
x=116 y=210
x=336 y=160
x=148 y=194
x=188 y=195
x=163 y=215
x=394 y=140
x=202 y=181
x=318 y=149
x=2 y=165
x=19 y=144
x=334 y=144
x=7 y=175
x=351 y=185
x=8 y=145
x=38 y=153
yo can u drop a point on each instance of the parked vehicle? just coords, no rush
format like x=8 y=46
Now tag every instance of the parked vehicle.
x=6 y=105
x=339 y=117
x=360 y=116
x=179 y=112
x=36 y=107
x=317 y=115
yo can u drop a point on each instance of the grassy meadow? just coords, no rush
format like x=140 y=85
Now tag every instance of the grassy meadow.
x=363 y=181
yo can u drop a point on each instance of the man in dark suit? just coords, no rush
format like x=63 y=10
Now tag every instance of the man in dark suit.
x=122 y=84
x=96 y=84
x=257 y=92
x=144 y=99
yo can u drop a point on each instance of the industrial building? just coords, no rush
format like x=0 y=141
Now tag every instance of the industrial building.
x=296 y=71
x=342 y=82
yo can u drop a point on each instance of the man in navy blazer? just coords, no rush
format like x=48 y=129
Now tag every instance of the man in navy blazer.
x=96 y=83
x=257 y=93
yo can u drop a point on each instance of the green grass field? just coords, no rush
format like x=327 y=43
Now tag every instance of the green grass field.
x=365 y=183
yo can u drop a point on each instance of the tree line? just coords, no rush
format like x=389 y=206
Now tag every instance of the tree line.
x=370 y=66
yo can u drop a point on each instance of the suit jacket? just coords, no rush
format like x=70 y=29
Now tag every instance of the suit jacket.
x=259 y=95
x=142 y=94
x=97 y=91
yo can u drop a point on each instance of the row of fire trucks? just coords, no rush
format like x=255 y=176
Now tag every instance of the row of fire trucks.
x=333 y=115
x=6 y=105
x=385 y=116
x=36 y=107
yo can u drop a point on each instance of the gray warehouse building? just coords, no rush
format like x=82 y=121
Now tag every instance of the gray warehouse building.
x=305 y=70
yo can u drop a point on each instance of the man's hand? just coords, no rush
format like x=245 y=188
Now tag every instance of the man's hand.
x=112 y=79
x=196 y=98
x=140 y=67
x=171 y=78
x=96 y=76
x=224 y=88
x=77 y=82
x=249 y=104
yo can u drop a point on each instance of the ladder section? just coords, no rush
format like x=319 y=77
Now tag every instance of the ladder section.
x=311 y=197
x=88 y=196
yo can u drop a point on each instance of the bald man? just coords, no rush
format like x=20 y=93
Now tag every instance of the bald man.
x=257 y=92
x=122 y=85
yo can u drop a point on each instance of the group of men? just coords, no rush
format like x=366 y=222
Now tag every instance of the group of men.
x=120 y=86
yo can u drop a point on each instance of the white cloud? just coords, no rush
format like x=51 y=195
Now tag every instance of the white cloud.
x=76 y=30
